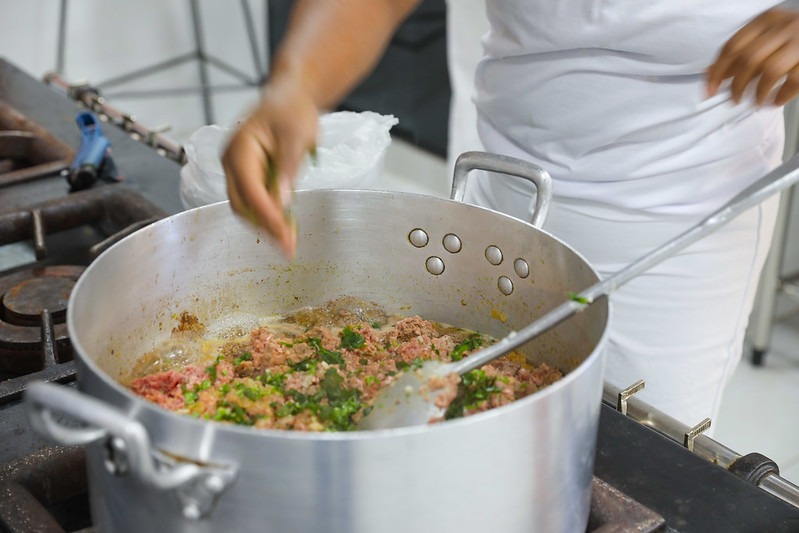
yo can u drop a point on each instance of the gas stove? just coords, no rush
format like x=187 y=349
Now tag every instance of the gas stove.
x=651 y=473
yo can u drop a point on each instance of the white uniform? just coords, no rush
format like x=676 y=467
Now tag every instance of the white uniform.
x=609 y=97
x=466 y=23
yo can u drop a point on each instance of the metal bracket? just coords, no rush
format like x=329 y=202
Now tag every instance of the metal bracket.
x=199 y=494
x=621 y=402
x=694 y=432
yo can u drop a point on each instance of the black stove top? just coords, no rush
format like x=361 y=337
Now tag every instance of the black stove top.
x=154 y=177
x=691 y=493
x=644 y=481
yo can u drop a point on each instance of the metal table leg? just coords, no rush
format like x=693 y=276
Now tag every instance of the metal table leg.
x=761 y=321
x=772 y=284
x=199 y=54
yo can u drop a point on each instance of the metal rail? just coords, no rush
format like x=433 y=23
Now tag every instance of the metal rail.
x=754 y=468
x=89 y=96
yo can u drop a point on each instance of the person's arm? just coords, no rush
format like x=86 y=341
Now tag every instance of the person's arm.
x=764 y=52
x=329 y=46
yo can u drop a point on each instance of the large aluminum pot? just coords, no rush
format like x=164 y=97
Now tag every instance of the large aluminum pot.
x=520 y=468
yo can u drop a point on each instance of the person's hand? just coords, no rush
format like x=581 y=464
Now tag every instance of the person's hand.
x=263 y=156
x=765 y=53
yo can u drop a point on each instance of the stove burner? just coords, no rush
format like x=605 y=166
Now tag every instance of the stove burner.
x=26 y=297
x=23 y=304
x=27 y=151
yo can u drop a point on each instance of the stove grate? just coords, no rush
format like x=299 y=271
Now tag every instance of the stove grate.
x=45 y=491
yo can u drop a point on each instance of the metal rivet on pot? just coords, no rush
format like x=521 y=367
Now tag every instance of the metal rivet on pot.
x=215 y=484
x=192 y=511
x=116 y=458
x=418 y=238
x=452 y=243
x=434 y=265
x=505 y=285
x=521 y=267
x=494 y=255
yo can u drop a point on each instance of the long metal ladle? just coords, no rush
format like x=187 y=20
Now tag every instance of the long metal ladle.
x=410 y=400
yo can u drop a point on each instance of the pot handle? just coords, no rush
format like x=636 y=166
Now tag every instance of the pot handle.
x=511 y=166
x=128 y=446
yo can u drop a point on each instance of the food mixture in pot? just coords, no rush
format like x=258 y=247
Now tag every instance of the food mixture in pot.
x=318 y=369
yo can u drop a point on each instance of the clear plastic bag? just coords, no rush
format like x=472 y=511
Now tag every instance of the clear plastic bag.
x=350 y=154
x=202 y=180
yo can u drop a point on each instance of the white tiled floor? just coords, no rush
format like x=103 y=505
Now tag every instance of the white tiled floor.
x=759 y=409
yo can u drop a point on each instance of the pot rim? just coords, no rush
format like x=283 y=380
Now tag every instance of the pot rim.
x=138 y=408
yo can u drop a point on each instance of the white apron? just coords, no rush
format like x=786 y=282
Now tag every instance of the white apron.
x=609 y=97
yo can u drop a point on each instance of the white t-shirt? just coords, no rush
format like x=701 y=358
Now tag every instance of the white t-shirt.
x=609 y=96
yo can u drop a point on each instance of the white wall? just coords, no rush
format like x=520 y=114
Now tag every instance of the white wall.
x=108 y=38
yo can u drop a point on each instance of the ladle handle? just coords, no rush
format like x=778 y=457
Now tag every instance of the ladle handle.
x=778 y=180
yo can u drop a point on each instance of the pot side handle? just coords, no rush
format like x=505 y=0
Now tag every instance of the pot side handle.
x=128 y=445
x=511 y=166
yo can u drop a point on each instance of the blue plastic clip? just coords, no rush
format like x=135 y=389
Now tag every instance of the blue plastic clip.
x=93 y=160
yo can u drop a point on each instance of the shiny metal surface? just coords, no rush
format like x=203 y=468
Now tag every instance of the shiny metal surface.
x=469 y=161
x=128 y=447
x=409 y=401
x=781 y=488
x=527 y=466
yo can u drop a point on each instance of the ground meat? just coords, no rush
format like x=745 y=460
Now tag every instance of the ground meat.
x=317 y=377
x=193 y=376
x=410 y=328
x=162 y=388
x=445 y=387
